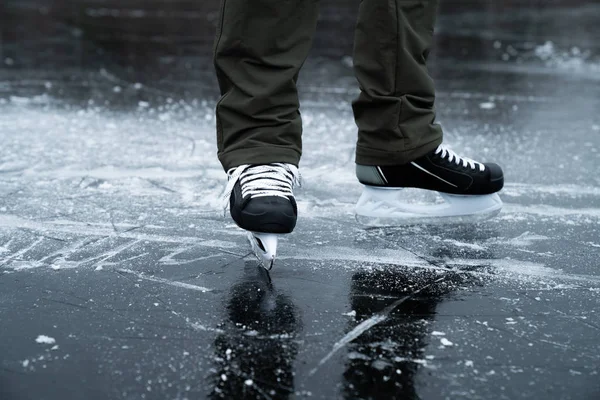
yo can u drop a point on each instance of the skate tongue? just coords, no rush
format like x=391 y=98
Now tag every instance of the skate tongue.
x=276 y=179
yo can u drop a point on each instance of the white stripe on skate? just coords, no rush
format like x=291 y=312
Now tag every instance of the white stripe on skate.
x=382 y=175
x=435 y=176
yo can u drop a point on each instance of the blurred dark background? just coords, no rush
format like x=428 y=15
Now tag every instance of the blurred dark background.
x=161 y=42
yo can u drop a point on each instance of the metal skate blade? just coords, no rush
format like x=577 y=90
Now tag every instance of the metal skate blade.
x=264 y=246
x=389 y=207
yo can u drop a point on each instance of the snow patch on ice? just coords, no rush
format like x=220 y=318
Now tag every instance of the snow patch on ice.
x=412 y=360
x=203 y=328
x=354 y=355
x=487 y=105
x=43 y=339
x=111 y=172
x=40 y=99
x=571 y=59
x=523 y=240
x=572 y=191
x=516 y=269
x=382 y=256
x=549 y=211
x=380 y=365
x=17 y=265
x=471 y=246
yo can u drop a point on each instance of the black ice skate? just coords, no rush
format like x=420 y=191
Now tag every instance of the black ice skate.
x=261 y=201
x=468 y=189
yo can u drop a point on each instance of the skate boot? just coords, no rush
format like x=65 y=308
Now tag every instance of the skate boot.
x=468 y=190
x=261 y=201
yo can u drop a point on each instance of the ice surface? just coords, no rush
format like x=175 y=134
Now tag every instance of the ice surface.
x=112 y=236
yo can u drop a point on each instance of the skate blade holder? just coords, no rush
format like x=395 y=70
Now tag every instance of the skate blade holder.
x=380 y=206
x=264 y=246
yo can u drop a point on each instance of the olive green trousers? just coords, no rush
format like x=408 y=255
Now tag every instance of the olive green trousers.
x=260 y=48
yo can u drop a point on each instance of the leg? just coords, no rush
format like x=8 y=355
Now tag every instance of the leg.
x=399 y=143
x=259 y=50
x=395 y=110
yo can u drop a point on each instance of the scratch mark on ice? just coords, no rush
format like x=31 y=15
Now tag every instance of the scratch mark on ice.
x=5 y=248
x=165 y=281
x=82 y=228
x=573 y=317
x=115 y=252
x=170 y=260
x=112 y=223
x=97 y=259
x=69 y=250
x=192 y=140
x=100 y=265
x=160 y=186
x=19 y=253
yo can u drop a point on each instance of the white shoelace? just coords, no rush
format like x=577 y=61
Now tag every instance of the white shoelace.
x=276 y=179
x=452 y=156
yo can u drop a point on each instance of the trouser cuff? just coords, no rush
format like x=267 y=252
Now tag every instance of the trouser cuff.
x=368 y=156
x=259 y=155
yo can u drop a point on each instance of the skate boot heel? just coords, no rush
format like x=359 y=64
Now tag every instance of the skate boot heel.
x=264 y=246
x=388 y=206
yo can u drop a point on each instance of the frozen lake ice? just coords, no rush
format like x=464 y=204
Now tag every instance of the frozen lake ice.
x=120 y=277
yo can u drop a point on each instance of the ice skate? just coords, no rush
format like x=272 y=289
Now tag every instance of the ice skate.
x=261 y=201
x=467 y=190
x=264 y=246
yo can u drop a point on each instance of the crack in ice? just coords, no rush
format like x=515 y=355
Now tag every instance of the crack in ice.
x=368 y=324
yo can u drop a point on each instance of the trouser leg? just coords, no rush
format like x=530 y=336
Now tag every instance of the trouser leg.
x=395 y=110
x=259 y=50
